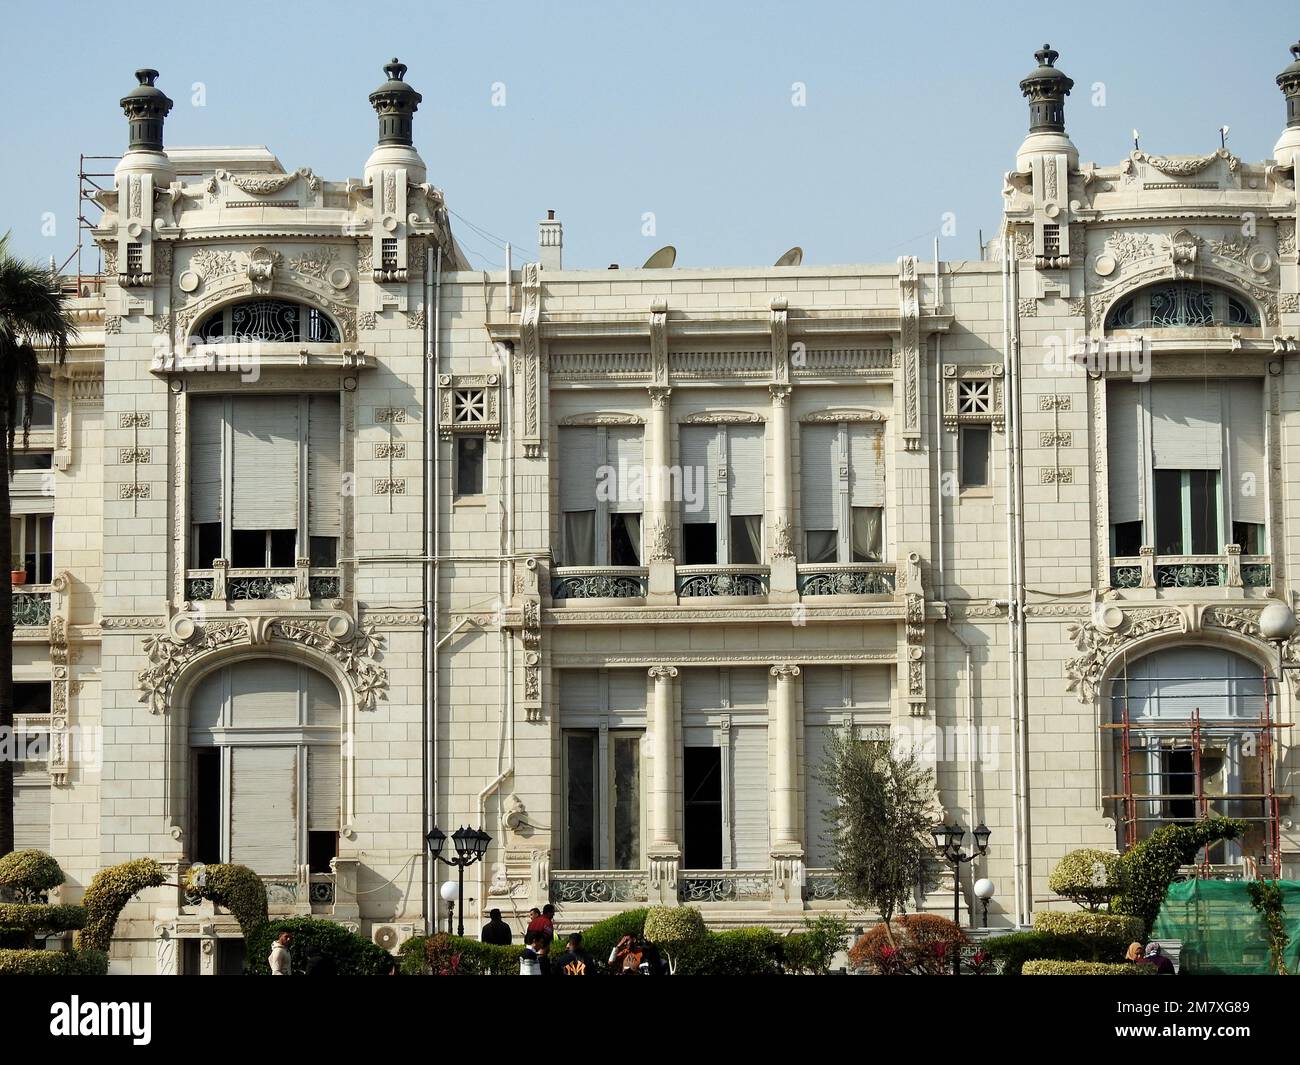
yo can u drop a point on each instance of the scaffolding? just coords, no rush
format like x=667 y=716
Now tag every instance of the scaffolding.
x=83 y=281
x=1176 y=769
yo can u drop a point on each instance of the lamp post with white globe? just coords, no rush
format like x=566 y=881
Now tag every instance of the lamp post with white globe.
x=1277 y=624
x=984 y=891
x=450 y=892
x=471 y=844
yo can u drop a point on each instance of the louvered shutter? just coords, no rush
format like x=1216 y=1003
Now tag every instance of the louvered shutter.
x=324 y=483
x=577 y=468
x=324 y=788
x=870 y=685
x=207 y=704
x=624 y=452
x=1185 y=433
x=265 y=467
x=579 y=691
x=322 y=697
x=32 y=816
x=264 y=692
x=264 y=808
x=866 y=465
x=206 y=431
x=749 y=797
x=700 y=447
x=701 y=691
x=818 y=798
x=627 y=691
x=747 y=688
x=1244 y=414
x=745 y=443
x=1125 y=462
x=818 y=460
x=823 y=687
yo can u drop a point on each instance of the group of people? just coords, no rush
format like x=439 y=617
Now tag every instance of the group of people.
x=631 y=956
x=1151 y=954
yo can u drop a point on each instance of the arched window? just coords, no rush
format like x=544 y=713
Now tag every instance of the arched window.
x=269 y=321
x=1181 y=304
x=1195 y=745
x=265 y=775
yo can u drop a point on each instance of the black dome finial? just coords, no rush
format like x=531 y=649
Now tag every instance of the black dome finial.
x=1046 y=88
x=1289 y=82
x=395 y=102
x=145 y=107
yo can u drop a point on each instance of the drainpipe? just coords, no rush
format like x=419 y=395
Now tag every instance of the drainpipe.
x=433 y=269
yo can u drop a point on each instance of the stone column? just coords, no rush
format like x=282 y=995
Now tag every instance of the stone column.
x=659 y=503
x=787 y=837
x=663 y=853
x=784 y=584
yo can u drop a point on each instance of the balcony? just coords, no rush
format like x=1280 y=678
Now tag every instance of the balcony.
x=301 y=893
x=599 y=582
x=702 y=582
x=627 y=887
x=32 y=606
x=874 y=578
x=1229 y=570
x=301 y=583
x=600 y=886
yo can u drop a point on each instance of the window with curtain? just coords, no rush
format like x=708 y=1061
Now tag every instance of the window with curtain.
x=601 y=484
x=31 y=539
x=1186 y=466
x=265 y=479
x=842 y=487
x=265 y=782
x=723 y=523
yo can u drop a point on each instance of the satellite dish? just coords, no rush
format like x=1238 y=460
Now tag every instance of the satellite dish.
x=791 y=258
x=663 y=259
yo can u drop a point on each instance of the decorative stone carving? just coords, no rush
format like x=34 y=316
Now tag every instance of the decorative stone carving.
x=782 y=538
x=469 y=403
x=660 y=538
x=529 y=358
x=1097 y=646
x=909 y=313
x=1186 y=166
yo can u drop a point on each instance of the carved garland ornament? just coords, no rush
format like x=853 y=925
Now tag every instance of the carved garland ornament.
x=355 y=649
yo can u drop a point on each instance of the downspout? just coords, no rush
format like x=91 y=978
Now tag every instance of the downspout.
x=1021 y=678
x=430 y=568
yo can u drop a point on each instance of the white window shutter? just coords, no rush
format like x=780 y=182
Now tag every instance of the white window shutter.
x=206 y=432
x=871 y=685
x=264 y=808
x=32 y=815
x=265 y=475
x=823 y=688
x=323 y=704
x=1245 y=417
x=1185 y=433
x=747 y=688
x=745 y=479
x=577 y=468
x=866 y=465
x=324 y=467
x=700 y=447
x=624 y=453
x=627 y=690
x=207 y=704
x=324 y=788
x=819 y=798
x=1125 y=466
x=701 y=690
x=819 y=454
x=749 y=802
x=264 y=691
x=579 y=691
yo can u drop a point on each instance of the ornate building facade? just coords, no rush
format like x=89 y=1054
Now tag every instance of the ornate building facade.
x=338 y=540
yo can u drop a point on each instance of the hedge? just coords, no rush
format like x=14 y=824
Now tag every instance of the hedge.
x=109 y=892
x=29 y=870
x=1114 y=926
x=477 y=959
x=603 y=936
x=53 y=963
x=237 y=888
x=1012 y=951
x=352 y=955
x=1086 y=968
x=735 y=952
x=40 y=919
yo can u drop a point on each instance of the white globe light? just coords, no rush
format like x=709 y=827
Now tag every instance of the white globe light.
x=1277 y=621
x=449 y=891
x=984 y=889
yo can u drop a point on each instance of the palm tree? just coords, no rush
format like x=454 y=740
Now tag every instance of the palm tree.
x=33 y=318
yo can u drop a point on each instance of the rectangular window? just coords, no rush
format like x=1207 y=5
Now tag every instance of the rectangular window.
x=842 y=471
x=1126 y=539
x=725 y=469
x=205 y=797
x=625 y=539
x=32 y=544
x=626 y=790
x=1249 y=537
x=702 y=808
x=581 y=789
x=700 y=544
x=975 y=443
x=469 y=465
x=601 y=492
x=1186 y=512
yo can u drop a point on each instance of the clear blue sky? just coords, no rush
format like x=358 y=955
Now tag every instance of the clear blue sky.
x=683 y=109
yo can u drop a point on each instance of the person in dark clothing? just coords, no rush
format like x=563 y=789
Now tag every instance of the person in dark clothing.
x=319 y=964
x=543 y=922
x=574 y=961
x=1153 y=955
x=496 y=931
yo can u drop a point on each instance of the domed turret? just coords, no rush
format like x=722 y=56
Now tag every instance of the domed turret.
x=395 y=102
x=1287 y=149
x=146 y=106
x=1046 y=88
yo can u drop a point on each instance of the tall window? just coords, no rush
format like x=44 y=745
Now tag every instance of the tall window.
x=843 y=492
x=265 y=776
x=1181 y=304
x=1186 y=466
x=602 y=722
x=268 y=321
x=722 y=517
x=265 y=483
x=32 y=542
x=469 y=464
x=601 y=480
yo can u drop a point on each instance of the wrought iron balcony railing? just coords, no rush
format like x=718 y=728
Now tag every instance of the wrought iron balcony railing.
x=604 y=886
x=1229 y=570
x=725 y=885
x=599 y=582
x=300 y=583
x=32 y=605
x=705 y=581
x=871 y=578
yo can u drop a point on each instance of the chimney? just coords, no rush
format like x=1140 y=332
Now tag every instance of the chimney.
x=550 y=242
x=1287 y=149
x=145 y=107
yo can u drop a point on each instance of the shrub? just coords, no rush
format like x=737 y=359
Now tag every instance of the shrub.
x=476 y=959
x=673 y=928
x=1085 y=877
x=1085 y=968
x=23 y=925
x=1145 y=871
x=1012 y=951
x=735 y=952
x=1266 y=898
x=110 y=891
x=38 y=921
x=238 y=889
x=29 y=871
x=1119 y=927
x=603 y=936
x=352 y=955
x=813 y=950
x=53 y=963
x=922 y=944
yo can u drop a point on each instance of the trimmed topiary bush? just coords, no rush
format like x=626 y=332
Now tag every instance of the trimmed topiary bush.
x=603 y=936
x=352 y=955
x=1145 y=871
x=29 y=871
x=53 y=963
x=1120 y=927
x=109 y=892
x=1085 y=877
x=735 y=952
x=476 y=959
x=672 y=928
x=1085 y=968
x=39 y=919
x=238 y=889
x=25 y=925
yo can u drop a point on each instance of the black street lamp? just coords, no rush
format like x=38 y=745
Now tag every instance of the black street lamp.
x=948 y=842
x=471 y=844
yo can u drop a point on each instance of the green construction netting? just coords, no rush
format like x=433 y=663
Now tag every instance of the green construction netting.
x=1222 y=933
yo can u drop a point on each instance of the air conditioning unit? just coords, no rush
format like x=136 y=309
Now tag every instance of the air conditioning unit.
x=391 y=936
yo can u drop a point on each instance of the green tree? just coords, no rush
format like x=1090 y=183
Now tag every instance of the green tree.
x=880 y=823
x=33 y=319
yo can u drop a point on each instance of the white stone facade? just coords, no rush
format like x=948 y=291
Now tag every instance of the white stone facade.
x=489 y=674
